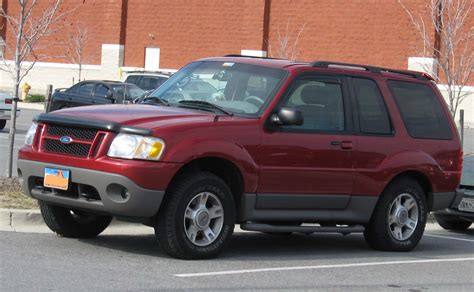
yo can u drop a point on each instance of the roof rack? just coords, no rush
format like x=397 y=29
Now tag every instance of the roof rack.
x=256 y=57
x=373 y=69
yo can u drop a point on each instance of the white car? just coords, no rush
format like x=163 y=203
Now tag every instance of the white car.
x=147 y=80
x=5 y=108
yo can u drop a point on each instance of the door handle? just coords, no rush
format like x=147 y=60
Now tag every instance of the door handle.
x=346 y=145
x=343 y=144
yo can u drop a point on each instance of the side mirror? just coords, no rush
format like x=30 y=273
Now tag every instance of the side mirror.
x=288 y=116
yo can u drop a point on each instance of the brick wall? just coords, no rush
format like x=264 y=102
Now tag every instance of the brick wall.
x=185 y=30
x=374 y=32
x=3 y=5
x=101 y=19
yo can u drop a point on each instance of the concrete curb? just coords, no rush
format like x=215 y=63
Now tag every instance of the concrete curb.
x=31 y=221
x=33 y=106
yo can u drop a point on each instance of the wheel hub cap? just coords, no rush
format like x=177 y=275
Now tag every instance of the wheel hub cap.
x=403 y=216
x=203 y=219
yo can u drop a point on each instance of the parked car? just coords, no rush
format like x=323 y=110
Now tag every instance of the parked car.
x=6 y=101
x=147 y=81
x=95 y=92
x=460 y=214
x=273 y=145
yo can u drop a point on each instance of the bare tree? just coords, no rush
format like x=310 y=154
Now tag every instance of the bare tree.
x=76 y=48
x=29 y=27
x=286 y=45
x=451 y=46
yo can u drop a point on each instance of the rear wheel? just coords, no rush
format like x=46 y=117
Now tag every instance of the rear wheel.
x=198 y=218
x=399 y=219
x=73 y=223
x=2 y=124
x=452 y=223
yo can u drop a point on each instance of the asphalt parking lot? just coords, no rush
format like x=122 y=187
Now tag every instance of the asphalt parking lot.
x=444 y=261
x=23 y=124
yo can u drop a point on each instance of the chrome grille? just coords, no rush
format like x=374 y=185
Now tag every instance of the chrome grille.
x=75 y=133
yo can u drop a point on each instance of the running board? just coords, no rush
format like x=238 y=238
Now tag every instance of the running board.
x=301 y=229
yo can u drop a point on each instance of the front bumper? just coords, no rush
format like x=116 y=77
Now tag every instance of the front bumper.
x=91 y=190
x=453 y=210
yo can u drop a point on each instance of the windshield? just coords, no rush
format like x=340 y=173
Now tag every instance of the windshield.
x=128 y=91
x=235 y=87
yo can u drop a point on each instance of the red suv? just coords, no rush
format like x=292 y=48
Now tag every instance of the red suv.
x=272 y=145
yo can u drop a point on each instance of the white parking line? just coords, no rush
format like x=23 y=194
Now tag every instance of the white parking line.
x=449 y=237
x=234 y=272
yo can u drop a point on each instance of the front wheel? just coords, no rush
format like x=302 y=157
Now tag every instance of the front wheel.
x=198 y=217
x=452 y=223
x=73 y=223
x=399 y=219
x=2 y=124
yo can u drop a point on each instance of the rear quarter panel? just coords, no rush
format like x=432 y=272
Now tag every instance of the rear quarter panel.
x=380 y=159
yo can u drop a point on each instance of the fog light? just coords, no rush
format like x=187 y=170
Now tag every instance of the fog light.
x=118 y=193
x=124 y=193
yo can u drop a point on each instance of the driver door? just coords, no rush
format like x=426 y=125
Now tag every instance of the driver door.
x=310 y=166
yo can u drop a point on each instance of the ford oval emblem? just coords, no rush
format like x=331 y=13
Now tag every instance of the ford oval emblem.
x=65 y=140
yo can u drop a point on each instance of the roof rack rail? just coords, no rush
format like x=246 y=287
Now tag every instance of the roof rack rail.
x=373 y=69
x=256 y=57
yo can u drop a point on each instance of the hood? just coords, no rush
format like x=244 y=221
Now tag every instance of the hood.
x=146 y=116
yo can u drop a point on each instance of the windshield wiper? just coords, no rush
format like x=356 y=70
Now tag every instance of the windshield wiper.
x=205 y=105
x=151 y=99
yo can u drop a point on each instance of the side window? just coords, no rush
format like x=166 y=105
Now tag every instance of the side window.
x=161 y=80
x=85 y=89
x=149 y=83
x=132 y=79
x=73 y=89
x=321 y=103
x=421 y=110
x=373 y=115
x=101 y=91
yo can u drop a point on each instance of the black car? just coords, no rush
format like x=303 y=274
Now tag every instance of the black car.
x=95 y=92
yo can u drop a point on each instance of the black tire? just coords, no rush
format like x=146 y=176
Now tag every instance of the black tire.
x=378 y=232
x=170 y=223
x=71 y=223
x=2 y=124
x=452 y=223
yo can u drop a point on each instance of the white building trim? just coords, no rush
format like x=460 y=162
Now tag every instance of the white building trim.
x=253 y=53
x=58 y=65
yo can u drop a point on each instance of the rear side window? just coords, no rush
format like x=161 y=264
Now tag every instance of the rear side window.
x=149 y=83
x=373 y=115
x=132 y=79
x=421 y=110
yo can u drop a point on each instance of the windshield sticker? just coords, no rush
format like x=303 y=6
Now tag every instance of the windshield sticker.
x=228 y=64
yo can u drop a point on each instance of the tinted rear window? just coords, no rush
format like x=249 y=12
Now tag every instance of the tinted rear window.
x=421 y=110
x=373 y=115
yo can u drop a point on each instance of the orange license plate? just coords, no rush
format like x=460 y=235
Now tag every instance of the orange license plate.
x=56 y=178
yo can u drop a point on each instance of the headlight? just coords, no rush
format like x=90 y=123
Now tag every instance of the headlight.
x=136 y=147
x=31 y=134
